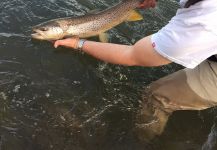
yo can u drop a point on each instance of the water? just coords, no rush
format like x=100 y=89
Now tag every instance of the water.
x=61 y=99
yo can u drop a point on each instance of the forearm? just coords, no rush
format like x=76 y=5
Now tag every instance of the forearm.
x=141 y=53
x=108 y=52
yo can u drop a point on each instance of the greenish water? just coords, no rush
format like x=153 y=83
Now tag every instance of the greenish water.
x=64 y=100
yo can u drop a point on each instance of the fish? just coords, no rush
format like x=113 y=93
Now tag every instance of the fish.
x=89 y=25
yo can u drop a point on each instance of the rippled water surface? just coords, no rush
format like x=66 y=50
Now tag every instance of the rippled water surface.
x=65 y=100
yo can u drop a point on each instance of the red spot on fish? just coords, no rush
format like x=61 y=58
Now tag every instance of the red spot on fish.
x=153 y=44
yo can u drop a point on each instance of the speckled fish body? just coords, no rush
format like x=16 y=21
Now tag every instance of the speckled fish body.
x=87 y=25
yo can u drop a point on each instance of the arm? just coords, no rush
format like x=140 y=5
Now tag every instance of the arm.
x=140 y=54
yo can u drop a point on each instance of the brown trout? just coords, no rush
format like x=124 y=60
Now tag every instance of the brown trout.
x=88 y=25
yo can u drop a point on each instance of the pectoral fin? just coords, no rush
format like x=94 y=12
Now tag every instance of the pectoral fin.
x=104 y=37
x=135 y=16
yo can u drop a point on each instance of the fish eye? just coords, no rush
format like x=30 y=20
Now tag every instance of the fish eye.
x=43 y=29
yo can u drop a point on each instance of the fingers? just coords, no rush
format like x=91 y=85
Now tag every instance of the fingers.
x=148 y=4
x=58 y=43
x=70 y=42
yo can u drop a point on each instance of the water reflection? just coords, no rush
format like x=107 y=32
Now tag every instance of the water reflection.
x=60 y=99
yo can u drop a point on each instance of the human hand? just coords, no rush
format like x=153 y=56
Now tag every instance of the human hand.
x=148 y=3
x=70 y=42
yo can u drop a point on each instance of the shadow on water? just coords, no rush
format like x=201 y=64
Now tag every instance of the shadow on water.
x=62 y=99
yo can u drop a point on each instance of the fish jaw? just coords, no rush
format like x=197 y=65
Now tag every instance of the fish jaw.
x=38 y=35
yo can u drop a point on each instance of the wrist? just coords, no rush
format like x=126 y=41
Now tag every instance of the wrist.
x=79 y=44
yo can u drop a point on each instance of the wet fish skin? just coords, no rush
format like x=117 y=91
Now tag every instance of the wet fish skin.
x=87 y=25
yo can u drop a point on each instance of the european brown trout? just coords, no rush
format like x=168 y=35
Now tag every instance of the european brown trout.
x=88 y=25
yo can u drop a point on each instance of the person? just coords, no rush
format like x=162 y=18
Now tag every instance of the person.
x=189 y=39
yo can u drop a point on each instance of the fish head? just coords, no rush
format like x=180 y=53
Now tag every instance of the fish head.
x=47 y=31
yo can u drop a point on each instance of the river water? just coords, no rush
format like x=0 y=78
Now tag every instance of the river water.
x=64 y=100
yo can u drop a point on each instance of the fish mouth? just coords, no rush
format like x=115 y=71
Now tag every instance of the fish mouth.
x=38 y=34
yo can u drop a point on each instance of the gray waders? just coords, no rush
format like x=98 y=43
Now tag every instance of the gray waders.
x=187 y=89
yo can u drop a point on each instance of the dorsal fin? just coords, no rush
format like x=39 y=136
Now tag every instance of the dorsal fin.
x=135 y=16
